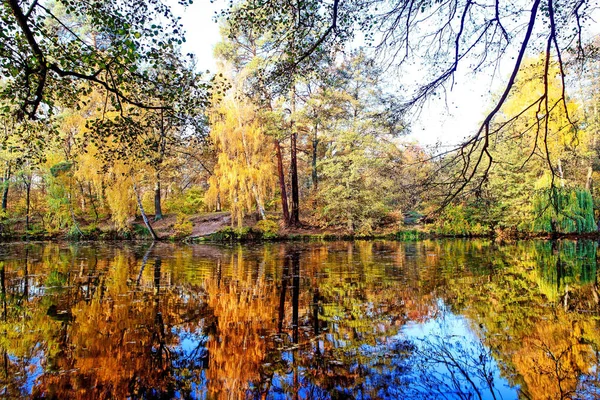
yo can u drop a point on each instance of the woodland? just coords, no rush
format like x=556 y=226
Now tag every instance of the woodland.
x=108 y=130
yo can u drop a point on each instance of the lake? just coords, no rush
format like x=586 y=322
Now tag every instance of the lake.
x=454 y=319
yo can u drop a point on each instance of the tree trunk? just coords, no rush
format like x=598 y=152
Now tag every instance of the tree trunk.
x=75 y=224
x=144 y=217
x=70 y=198
x=588 y=181
x=158 y=215
x=259 y=206
x=82 y=192
x=5 y=185
x=218 y=206
x=255 y=192
x=295 y=213
x=27 y=203
x=315 y=143
x=561 y=174
x=284 y=199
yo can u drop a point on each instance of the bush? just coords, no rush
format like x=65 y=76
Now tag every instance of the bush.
x=268 y=228
x=457 y=220
x=237 y=234
x=183 y=226
x=409 y=235
x=189 y=202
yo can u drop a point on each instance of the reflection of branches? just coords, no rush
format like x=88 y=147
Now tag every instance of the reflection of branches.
x=451 y=368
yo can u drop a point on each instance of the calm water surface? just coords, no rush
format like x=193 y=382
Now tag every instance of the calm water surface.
x=364 y=320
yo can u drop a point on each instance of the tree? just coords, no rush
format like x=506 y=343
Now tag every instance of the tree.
x=358 y=137
x=22 y=151
x=244 y=170
x=45 y=56
x=519 y=191
x=283 y=35
x=444 y=35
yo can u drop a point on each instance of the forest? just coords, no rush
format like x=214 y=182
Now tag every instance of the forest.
x=109 y=130
x=280 y=226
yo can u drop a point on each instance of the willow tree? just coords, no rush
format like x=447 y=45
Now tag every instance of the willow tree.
x=244 y=173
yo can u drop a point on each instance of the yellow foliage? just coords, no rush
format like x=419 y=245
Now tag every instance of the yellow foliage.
x=244 y=174
x=528 y=129
x=120 y=196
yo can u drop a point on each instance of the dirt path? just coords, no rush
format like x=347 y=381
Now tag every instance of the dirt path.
x=207 y=224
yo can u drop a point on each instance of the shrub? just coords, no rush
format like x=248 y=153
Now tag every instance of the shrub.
x=183 y=226
x=189 y=202
x=268 y=228
x=457 y=220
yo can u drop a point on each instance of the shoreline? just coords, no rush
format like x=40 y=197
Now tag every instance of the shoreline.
x=249 y=235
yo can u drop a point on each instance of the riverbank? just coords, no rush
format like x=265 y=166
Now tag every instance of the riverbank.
x=216 y=227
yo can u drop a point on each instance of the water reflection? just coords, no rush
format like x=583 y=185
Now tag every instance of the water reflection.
x=446 y=319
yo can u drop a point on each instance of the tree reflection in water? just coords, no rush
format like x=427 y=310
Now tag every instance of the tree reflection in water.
x=446 y=319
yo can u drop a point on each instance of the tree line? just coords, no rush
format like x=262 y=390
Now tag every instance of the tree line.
x=104 y=118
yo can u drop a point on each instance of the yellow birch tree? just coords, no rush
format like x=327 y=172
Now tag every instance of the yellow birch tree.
x=244 y=173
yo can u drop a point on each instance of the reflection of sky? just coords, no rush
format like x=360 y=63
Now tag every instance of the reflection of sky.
x=448 y=340
x=417 y=363
x=34 y=370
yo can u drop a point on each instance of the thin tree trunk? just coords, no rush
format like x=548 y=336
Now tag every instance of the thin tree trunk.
x=70 y=198
x=284 y=199
x=82 y=192
x=259 y=206
x=295 y=212
x=561 y=174
x=144 y=217
x=255 y=193
x=315 y=143
x=158 y=215
x=218 y=206
x=588 y=181
x=27 y=203
x=5 y=185
x=75 y=224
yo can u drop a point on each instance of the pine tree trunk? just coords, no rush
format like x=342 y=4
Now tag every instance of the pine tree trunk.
x=295 y=212
x=5 y=185
x=284 y=199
